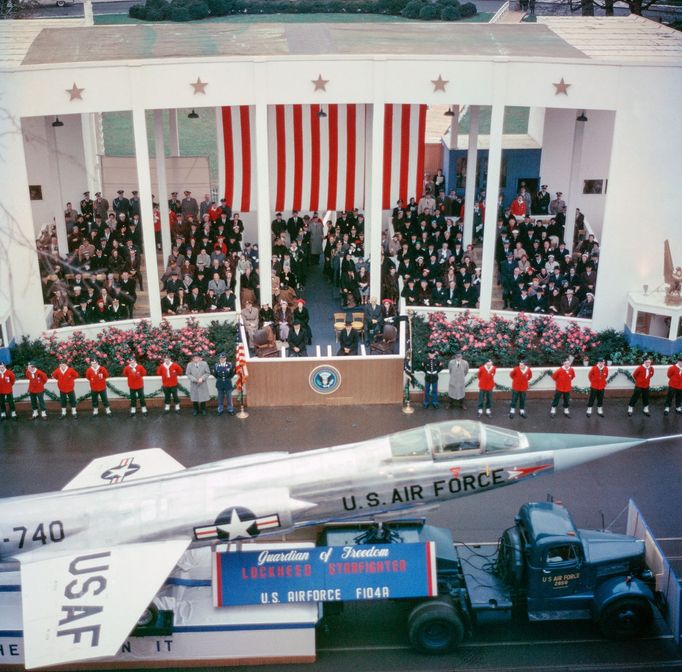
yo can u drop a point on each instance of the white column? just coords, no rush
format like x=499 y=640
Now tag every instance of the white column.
x=57 y=200
x=263 y=196
x=93 y=173
x=173 y=135
x=145 y=187
x=492 y=190
x=220 y=148
x=162 y=187
x=574 y=183
x=375 y=209
x=20 y=289
x=472 y=171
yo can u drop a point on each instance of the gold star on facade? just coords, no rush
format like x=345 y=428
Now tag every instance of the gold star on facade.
x=75 y=93
x=320 y=84
x=439 y=84
x=199 y=86
x=561 y=87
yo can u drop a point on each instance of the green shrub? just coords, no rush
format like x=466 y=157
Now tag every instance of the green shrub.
x=411 y=9
x=468 y=9
x=155 y=14
x=198 y=10
x=450 y=13
x=178 y=13
x=137 y=12
x=392 y=7
x=429 y=12
x=31 y=351
x=218 y=7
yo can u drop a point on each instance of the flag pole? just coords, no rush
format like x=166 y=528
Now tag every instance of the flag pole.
x=242 y=373
x=407 y=366
x=243 y=414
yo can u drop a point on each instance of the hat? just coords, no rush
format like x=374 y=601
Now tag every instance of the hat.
x=559 y=193
x=600 y=359
x=120 y=191
x=29 y=364
x=522 y=360
x=349 y=319
x=134 y=193
x=97 y=193
x=430 y=352
x=543 y=186
x=174 y=193
x=187 y=191
x=174 y=272
x=458 y=353
x=387 y=300
x=299 y=300
x=223 y=355
x=86 y=193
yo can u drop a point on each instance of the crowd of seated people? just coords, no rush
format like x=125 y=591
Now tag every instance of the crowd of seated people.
x=98 y=279
x=537 y=271
x=207 y=256
x=427 y=252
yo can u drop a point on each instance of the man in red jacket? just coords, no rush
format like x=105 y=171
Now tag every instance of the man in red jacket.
x=563 y=382
x=36 y=390
x=65 y=376
x=97 y=377
x=7 y=379
x=597 y=376
x=486 y=383
x=135 y=374
x=642 y=375
x=520 y=376
x=674 y=387
x=169 y=372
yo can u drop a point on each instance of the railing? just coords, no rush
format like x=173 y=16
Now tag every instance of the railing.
x=500 y=13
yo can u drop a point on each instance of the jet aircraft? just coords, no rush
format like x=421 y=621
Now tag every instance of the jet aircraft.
x=93 y=555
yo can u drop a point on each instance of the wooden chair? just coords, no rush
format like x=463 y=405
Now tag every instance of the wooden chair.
x=264 y=344
x=339 y=323
x=359 y=323
x=384 y=343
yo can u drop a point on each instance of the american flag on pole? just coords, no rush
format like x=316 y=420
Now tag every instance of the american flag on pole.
x=404 y=148
x=241 y=370
x=317 y=162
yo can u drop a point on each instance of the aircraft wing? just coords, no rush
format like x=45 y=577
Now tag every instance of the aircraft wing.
x=83 y=604
x=125 y=467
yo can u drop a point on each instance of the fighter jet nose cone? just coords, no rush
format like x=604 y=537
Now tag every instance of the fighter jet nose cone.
x=571 y=450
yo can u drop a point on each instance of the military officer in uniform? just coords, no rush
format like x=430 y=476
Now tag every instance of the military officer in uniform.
x=224 y=372
x=432 y=367
x=174 y=204
x=121 y=204
x=87 y=206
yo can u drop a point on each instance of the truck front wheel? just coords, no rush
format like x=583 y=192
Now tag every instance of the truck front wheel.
x=625 y=618
x=435 y=627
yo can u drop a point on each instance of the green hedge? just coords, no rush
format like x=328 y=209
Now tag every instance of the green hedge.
x=188 y=10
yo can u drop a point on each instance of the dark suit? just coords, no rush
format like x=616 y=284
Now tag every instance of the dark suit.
x=348 y=342
x=297 y=340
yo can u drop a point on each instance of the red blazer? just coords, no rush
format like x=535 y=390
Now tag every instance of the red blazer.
x=563 y=379
x=7 y=382
x=36 y=381
x=169 y=375
x=643 y=377
x=66 y=380
x=675 y=377
x=135 y=377
x=520 y=379
x=598 y=378
x=98 y=379
x=486 y=379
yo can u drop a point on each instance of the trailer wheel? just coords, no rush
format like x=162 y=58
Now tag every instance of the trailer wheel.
x=435 y=627
x=626 y=618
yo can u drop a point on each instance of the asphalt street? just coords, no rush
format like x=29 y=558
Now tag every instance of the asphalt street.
x=40 y=456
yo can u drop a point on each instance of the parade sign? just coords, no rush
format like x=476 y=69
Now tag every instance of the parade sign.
x=324 y=574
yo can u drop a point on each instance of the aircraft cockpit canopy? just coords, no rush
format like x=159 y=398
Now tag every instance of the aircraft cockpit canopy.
x=441 y=440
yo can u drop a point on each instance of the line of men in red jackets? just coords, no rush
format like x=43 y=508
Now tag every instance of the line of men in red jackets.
x=563 y=384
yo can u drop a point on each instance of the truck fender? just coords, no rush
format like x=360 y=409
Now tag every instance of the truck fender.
x=622 y=608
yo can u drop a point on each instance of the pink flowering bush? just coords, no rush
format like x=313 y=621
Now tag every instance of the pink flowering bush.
x=539 y=339
x=113 y=347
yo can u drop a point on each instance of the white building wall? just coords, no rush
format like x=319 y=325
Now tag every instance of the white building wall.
x=68 y=159
x=557 y=144
x=643 y=205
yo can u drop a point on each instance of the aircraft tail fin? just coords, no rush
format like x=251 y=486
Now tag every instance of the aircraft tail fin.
x=125 y=467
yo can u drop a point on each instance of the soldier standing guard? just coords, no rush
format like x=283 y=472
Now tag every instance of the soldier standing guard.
x=223 y=372
x=432 y=368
